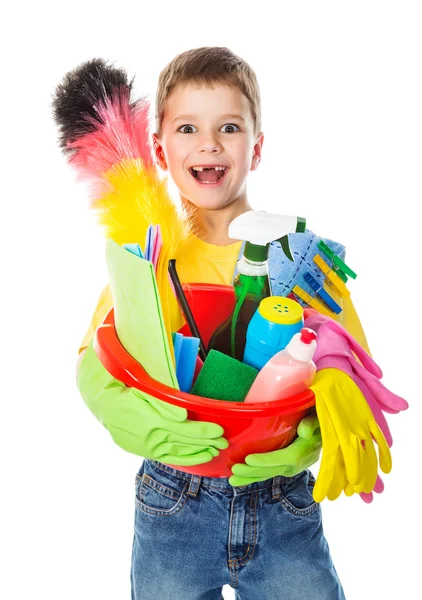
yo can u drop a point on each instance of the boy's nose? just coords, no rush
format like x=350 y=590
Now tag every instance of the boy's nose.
x=210 y=149
x=210 y=144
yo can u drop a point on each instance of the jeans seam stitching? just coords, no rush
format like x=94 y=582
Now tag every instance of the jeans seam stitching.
x=297 y=511
x=162 y=513
x=232 y=562
x=155 y=511
x=252 y=520
x=159 y=487
x=169 y=471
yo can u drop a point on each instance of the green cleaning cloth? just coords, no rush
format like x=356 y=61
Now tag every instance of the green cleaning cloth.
x=224 y=378
x=137 y=312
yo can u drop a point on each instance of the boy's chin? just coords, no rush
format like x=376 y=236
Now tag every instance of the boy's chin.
x=209 y=203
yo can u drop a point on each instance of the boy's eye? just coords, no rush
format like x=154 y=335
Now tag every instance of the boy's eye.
x=186 y=127
x=232 y=128
x=232 y=125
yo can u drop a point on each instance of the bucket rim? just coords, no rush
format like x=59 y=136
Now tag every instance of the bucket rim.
x=121 y=365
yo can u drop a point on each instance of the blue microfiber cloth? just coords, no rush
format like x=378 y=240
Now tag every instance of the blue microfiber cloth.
x=186 y=361
x=285 y=274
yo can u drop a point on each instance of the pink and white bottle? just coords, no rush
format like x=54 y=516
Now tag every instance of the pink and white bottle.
x=287 y=373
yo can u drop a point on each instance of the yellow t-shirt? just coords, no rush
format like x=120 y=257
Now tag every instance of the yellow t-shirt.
x=207 y=263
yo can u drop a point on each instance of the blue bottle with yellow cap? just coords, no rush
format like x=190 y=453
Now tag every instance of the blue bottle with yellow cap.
x=273 y=325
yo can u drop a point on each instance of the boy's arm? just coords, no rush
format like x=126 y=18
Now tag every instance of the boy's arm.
x=349 y=318
x=105 y=303
x=137 y=422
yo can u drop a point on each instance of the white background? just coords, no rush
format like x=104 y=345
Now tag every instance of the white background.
x=341 y=96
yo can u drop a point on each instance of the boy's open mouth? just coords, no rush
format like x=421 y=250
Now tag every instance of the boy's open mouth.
x=209 y=175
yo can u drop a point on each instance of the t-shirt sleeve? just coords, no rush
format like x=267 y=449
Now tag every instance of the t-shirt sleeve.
x=105 y=303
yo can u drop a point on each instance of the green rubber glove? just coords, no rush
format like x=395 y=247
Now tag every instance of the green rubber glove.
x=299 y=455
x=143 y=425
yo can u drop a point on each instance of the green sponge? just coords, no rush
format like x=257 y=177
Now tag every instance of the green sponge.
x=224 y=378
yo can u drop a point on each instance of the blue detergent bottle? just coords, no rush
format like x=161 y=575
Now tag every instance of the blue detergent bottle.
x=271 y=328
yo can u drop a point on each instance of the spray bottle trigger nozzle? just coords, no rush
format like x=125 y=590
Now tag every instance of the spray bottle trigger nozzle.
x=284 y=241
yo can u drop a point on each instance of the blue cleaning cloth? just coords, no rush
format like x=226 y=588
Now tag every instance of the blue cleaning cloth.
x=285 y=274
x=185 y=366
x=135 y=249
x=177 y=346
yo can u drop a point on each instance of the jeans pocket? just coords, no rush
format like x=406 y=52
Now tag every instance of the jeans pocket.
x=296 y=494
x=155 y=497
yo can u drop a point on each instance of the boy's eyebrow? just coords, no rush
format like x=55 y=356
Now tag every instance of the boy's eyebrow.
x=228 y=115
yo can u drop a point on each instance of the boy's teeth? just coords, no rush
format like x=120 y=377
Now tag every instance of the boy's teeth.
x=202 y=168
x=208 y=174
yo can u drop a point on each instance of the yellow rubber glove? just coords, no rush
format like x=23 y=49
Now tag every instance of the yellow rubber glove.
x=348 y=429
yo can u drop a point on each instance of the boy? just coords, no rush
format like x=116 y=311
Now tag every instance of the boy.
x=261 y=535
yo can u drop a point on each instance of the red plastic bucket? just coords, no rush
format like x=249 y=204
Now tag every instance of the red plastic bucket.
x=249 y=428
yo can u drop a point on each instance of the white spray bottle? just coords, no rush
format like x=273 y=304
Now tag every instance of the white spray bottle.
x=251 y=285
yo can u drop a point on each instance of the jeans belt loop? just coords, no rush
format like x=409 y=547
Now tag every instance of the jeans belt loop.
x=194 y=485
x=276 y=487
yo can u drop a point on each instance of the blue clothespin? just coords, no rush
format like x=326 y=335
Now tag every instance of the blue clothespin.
x=323 y=295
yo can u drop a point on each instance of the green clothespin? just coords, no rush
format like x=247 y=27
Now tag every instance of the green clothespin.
x=339 y=266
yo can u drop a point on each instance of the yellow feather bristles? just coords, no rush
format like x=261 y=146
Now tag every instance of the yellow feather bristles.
x=136 y=199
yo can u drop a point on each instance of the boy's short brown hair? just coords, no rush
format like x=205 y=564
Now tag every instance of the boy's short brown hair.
x=208 y=65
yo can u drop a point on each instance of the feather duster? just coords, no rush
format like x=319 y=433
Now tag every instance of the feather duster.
x=104 y=134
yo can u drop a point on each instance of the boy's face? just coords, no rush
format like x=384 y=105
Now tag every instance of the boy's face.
x=204 y=126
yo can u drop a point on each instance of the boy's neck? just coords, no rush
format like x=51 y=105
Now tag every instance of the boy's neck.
x=213 y=225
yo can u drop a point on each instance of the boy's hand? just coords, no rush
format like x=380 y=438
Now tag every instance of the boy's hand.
x=299 y=455
x=144 y=425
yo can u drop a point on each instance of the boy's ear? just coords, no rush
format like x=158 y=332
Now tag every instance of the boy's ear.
x=159 y=152
x=256 y=157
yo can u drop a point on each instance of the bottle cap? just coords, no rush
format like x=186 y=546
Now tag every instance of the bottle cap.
x=255 y=252
x=302 y=346
x=281 y=310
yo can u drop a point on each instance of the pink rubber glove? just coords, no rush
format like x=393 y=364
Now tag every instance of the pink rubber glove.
x=336 y=361
x=336 y=348
x=334 y=340
x=378 y=489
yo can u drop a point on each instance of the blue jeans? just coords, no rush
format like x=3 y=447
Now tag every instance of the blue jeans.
x=193 y=535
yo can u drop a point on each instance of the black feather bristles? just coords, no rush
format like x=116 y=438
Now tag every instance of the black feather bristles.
x=83 y=91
